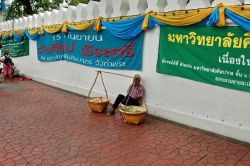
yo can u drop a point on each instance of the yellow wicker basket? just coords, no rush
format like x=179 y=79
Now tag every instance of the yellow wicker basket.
x=133 y=114
x=98 y=104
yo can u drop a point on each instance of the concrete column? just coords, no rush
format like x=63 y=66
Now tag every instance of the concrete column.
x=106 y=8
x=247 y=1
x=93 y=10
x=81 y=12
x=47 y=18
x=17 y=24
x=55 y=16
x=194 y=4
x=9 y=25
x=21 y=21
x=156 y=5
x=62 y=15
x=35 y=20
x=133 y=10
x=226 y=2
x=40 y=19
x=124 y=8
x=29 y=24
x=162 y=4
x=25 y=22
x=117 y=4
x=116 y=8
x=152 y=5
x=1 y=26
x=71 y=14
x=142 y=6
x=175 y=5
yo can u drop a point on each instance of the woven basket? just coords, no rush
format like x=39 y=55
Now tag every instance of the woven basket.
x=98 y=104
x=135 y=117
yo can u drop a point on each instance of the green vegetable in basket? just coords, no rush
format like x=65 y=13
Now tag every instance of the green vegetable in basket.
x=130 y=109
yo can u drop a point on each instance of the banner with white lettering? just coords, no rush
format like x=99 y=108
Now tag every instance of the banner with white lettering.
x=218 y=56
x=101 y=50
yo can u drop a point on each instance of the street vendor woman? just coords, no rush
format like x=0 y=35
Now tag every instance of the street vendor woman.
x=134 y=95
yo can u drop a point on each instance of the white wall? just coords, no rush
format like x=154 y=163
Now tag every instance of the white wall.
x=213 y=108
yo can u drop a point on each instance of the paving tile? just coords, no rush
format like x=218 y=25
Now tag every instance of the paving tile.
x=41 y=125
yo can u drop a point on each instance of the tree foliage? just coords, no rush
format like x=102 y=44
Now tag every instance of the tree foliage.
x=75 y=2
x=20 y=8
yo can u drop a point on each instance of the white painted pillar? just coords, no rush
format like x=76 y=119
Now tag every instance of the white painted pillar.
x=175 y=5
x=96 y=10
x=29 y=24
x=106 y=8
x=40 y=19
x=142 y=6
x=81 y=12
x=194 y=4
x=9 y=25
x=156 y=5
x=47 y=18
x=152 y=5
x=71 y=14
x=16 y=25
x=117 y=4
x=133 y=10
x=35 y=20
x=55 y=17
x=20 y=23
x=124 y=8
x=62 y=15
x=247 y=2
x=21 y=20
x=25 y=22
x=226 y=2
x=162 y=4
x=92 y=10
x=1 y=26
x=6 y=26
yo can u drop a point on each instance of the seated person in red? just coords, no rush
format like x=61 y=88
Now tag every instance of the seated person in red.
x=134 y=95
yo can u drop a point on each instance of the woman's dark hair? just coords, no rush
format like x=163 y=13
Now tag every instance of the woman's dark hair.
x=6 y=52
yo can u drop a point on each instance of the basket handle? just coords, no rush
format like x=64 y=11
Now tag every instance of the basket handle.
x=98 y=72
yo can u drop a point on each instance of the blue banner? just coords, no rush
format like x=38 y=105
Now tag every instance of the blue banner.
x=100 y=50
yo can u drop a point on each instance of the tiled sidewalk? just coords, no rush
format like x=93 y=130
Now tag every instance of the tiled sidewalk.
x=40 y=125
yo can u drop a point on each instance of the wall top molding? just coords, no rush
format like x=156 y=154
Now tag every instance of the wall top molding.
x=114 y=8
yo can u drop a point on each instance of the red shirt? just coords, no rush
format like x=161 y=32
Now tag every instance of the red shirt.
x=135 y=91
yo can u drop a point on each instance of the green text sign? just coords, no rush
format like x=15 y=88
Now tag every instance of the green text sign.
x=16 y=48
x=219 y=56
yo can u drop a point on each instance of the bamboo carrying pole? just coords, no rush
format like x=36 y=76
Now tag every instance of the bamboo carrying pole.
x=114 y=73
x=143 y=99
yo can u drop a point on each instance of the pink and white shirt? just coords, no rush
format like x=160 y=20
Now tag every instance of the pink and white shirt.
x=136 y=91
